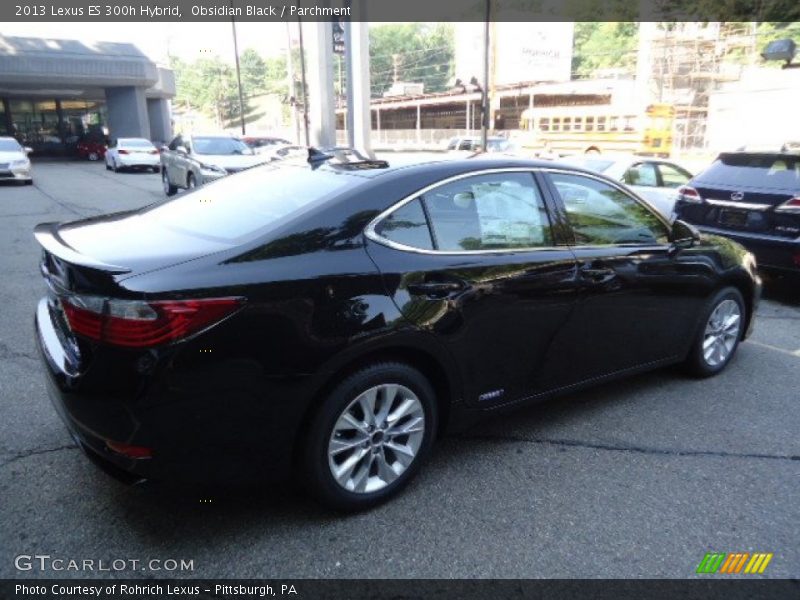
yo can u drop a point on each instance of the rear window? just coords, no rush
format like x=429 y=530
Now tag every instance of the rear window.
x=771 y=171
x=244 y=205
x=220 y=146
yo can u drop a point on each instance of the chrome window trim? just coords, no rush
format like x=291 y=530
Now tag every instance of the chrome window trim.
x=370 y=232
x=742 y=205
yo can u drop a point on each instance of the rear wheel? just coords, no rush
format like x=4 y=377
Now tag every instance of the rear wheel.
x=370 y=437
x=719 y=334
x=93 y=156
x=191 y=182
x=169 y=189
x=114 y=166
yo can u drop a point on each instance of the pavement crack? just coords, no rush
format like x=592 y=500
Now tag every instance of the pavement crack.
x=621 y=448
x=36 y=452
x=7 y=353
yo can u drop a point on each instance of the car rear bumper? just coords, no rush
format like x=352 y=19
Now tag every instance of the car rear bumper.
x=197 y=439
x=771 y=252
x=139 y=161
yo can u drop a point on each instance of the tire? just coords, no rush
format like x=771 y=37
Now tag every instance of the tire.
x=114 y=166
x=29 y=182
x=191 y=182
x=108 y=166
x=169 y=189
x=378 y=471
x=155 y=169
x=715 y=343
x=93 y=156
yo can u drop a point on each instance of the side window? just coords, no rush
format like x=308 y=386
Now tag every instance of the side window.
x=452 y=145
x=601 y=214
x=408 y=226
x=673 y=177
x=465 y=145
x=643 y=174
x=488 y=212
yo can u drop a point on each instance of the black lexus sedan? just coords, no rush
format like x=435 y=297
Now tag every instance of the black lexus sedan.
x=332 y=319
x=753 y=198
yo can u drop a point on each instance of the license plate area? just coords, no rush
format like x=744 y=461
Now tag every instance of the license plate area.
x=733 y=218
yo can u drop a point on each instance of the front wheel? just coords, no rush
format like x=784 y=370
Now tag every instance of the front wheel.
x=719 y=334
x=169 y=189
x=370 y=436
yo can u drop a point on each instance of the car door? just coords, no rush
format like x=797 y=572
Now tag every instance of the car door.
x=475 y=261
x=639 y=297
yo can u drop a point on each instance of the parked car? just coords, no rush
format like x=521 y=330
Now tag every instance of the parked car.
x=281 y=151
x=470 y=144
x=132 y=153
x=753 y=198
x=190 y=161
x=258 y=141
x=91 y=149
x=656 y=180
x=14 y=162
x=330 y=320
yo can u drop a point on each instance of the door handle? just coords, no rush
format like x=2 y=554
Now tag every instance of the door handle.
x=436 y=289
x=597 y=274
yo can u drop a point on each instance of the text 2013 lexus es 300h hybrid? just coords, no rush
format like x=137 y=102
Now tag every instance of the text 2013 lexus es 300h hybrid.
x=330 y=319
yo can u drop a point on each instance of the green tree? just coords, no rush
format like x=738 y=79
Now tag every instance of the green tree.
x=416 y=52
x=254 y=72
x=604 y=45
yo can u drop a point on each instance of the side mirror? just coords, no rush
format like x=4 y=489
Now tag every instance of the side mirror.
x=28 y=149
x=684 y=235
x=181 y=150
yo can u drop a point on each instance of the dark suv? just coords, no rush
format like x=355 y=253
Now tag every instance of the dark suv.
x=753 y=198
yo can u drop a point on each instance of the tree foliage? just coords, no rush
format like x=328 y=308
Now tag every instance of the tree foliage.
x=418 y=52
x=604 y=45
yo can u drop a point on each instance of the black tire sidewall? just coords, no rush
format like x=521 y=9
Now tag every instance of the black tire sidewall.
x=318 y=477
x=697 y=362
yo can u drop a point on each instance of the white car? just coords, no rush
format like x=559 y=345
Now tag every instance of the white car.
x=654 y=179
x=14 y=162
x=132 y=153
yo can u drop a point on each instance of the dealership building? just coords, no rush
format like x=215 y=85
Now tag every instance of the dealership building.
x=54 y=93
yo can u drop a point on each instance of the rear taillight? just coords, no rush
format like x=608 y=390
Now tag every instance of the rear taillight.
x=139 y=324
x=689 y=194
x=792 y=205
x=153 y=151
x=123 y=151
x=137 y=452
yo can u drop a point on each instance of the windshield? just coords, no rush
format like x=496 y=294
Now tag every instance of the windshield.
x=10 y=146
x=219 y=146
x=770 y=171
x=249 y=203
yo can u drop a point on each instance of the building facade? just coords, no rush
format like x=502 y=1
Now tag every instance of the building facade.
x=55 y=93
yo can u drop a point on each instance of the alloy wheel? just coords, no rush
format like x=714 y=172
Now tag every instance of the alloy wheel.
x=376 y=438
x=722 y=332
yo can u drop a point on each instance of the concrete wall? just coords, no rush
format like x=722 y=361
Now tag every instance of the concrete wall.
x=127 y=112
x=158 y=114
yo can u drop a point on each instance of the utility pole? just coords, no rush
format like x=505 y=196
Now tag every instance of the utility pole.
x=359 y=113
x=322 y=112
x=290 y=83
x=238 y=70
x=305 y=82
x=485 y=86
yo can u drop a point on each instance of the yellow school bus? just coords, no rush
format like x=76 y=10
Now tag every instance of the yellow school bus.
x=563 y=130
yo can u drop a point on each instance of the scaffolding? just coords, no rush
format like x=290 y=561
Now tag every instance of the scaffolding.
x=688 y=62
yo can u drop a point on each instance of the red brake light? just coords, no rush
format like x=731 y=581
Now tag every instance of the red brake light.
x=138 y=452
x=791 y=205
x=689 y=194
x=139 y=324
x=123 y=151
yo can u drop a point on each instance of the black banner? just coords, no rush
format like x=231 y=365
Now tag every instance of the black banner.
x=398 y=589
x=394 y=10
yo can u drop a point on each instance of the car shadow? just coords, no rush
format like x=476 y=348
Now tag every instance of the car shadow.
x=782 y=288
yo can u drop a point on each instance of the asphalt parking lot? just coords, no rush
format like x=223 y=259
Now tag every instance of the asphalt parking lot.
x=638 y=478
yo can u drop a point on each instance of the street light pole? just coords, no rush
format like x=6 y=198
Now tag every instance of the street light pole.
x=485 y=86
x=238 y=71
